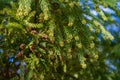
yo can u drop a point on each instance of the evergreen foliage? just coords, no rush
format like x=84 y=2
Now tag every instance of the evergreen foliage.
x=55 y=39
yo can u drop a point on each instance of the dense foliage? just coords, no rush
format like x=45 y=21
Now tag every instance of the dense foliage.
x=56 y=40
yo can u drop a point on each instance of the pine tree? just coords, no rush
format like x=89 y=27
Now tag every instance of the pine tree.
x=55 y=39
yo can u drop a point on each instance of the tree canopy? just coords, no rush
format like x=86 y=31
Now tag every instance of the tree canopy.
x=58 y=40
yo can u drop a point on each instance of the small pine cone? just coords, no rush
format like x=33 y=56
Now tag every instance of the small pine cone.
x=20 y=55
x=32 y=48
x=22 y=46
x=44 y=36
x=34 y=32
